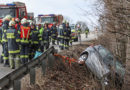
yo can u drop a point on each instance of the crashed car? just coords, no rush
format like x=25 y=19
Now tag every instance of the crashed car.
x=100 y=61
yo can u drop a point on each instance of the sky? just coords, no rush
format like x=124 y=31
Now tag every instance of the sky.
x=73 y=9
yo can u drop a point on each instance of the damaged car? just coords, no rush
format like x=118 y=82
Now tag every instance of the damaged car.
x=101 y=62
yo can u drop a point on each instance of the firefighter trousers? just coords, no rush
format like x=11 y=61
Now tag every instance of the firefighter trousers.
x=33 y=49
x=61 y=43
x=41 y=47
x=24 y=53
x=46 y=45
x=53 y=40
x=70 y=42
x=58 y=40
x=5 y=54
x=14 y=61
x=2 y=55
x=66 y=45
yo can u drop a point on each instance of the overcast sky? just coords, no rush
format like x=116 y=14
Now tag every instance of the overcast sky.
x=70 y=8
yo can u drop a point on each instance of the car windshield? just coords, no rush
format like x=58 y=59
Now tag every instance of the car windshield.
x=7 y=11
x=106 y=55
x=47 y=19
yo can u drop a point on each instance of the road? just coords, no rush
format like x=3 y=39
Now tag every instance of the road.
x=5 y=70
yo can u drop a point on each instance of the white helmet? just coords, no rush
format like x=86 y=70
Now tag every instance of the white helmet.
x=3 y=19
x=23 y=21
x=8 y=17
x=11 y=23
x=17 y=19
x=30 y=22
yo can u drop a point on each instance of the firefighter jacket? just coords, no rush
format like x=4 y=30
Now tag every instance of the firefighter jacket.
x=40 y=33
x=17 y=26
x=87 y=31
x=13 y=41
x=67 y=33
x=60 y=33
x=46 y=33
x=41 y=30
x=34 y=36
x=79 y=30
x=53 y=31
x=25 y=34
x=5 y=26
x=0 y=35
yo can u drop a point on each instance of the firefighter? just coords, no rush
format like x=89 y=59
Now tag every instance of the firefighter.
x=13 y=45
x=17 y=25
x=70 y=40
x=40 y=29
x=1 y=60
x=24 y=36
x=86 y=32
x=4 y=40
x=34 y=39
x=53 y=33
x=45 y=37
x=30 y=50
x=67 y=34
x=61 y=36
x=79 y=32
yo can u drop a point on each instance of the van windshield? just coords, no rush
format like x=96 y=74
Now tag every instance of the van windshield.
x=47 y=19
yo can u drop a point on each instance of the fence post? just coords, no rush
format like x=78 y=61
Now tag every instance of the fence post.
x=44 y=67
x=51 y=60
x=32 y=76
x=17 y=85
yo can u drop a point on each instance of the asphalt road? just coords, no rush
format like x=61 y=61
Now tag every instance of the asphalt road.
x=5 y=70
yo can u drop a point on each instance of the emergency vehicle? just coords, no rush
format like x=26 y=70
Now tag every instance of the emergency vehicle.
x=30 y=16
x=50 y=19
x=15 y=9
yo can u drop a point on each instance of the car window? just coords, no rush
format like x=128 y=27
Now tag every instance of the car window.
x=106 y=55
x=120 y=69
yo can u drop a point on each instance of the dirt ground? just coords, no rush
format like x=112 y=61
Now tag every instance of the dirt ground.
x=63 y=76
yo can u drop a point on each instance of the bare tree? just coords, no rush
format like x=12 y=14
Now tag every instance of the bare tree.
x=116 y=22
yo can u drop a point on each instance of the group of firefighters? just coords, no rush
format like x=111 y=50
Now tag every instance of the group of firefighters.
x=20 y=39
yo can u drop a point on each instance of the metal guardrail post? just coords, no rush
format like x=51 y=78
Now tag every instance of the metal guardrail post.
x=51 y=60
x=17 y=85
x=44 y=65
x=32 y=76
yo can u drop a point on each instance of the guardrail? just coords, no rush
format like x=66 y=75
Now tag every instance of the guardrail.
x=13 y=78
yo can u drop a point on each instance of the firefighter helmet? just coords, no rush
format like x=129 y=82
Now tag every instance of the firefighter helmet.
x=23 y=21
x=11 y=23
x=8 y=17
x=30 y=22
x=17 y=19
x=3 y=19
